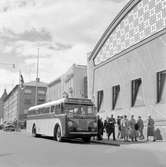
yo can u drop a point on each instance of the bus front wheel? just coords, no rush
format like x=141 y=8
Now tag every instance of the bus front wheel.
x=58 y=134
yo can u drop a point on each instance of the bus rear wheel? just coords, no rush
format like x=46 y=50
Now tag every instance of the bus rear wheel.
x=58 y=134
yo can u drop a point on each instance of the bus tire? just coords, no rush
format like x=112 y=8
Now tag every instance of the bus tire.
x=58 y=133
x=86 y=139
x=34 y=134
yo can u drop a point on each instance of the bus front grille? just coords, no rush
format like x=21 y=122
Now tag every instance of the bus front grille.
x=83 y=125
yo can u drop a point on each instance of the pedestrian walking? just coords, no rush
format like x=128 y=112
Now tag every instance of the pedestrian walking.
x=140 y=124
x=119 y=127
x=132 y=129
x=124 y=128
x=100 y=128
x=110 y=127
x=150 y=128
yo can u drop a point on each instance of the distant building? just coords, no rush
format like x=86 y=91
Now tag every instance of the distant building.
x=1 y=105
x=127 y=67
x=18 y=101
x=72 y=84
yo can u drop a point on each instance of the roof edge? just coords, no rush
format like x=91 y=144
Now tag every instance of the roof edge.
x=124 y=11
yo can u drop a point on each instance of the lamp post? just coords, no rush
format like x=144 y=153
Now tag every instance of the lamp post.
x=37 y=77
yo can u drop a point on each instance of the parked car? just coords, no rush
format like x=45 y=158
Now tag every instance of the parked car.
x=1 y=126
x=9 y=127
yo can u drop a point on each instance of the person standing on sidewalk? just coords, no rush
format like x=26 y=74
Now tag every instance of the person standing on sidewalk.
x=132 y=130
x=107 y=127
x=125 y=128
x=110 y=127
x=140 y=124
x=119 y=127
x=112 y=122
x=100 y=129
x=150 y=128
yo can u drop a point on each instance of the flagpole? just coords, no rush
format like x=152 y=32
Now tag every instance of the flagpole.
x=37 y=75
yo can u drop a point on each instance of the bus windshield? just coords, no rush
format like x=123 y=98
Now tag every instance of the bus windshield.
x=78 y=109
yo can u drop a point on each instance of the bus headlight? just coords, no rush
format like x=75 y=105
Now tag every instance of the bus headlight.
x=70 y=124
x=94 y=125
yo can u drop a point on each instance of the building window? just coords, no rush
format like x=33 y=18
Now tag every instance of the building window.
x=41 y=100
x=41 y=92
x=28 y=91
x=115 y=94
x=161 y=86
x=27 y=102
x=135 y=85
x=100 y=95
x=85 y=87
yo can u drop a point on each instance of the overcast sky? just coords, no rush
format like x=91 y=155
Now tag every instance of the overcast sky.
x=63 y=30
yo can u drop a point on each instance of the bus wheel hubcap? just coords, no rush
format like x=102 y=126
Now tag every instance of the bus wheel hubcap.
x=58 y=133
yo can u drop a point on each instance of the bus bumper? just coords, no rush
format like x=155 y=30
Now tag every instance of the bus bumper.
x=81 y=134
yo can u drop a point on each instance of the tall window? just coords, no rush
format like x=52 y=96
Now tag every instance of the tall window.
x=28 y=91
x=115 y=94
x=100 y=95
x=41 y=92
x=135 y=85
x=161 y=86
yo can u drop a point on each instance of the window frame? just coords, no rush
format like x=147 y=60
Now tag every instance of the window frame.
x=160 y=84
x=100 y=97
x=135 y=86
x=115 y=95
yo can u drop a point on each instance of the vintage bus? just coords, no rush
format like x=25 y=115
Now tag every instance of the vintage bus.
x=63 y=118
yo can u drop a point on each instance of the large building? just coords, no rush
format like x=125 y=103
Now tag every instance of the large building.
x=73 y=84
x=18 y=101
x=127 y=67
x=1 y=105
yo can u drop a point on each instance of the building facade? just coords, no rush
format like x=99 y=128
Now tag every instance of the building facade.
x=127 y=68
x=4 y=95
x=73 y=84
x=18 y=101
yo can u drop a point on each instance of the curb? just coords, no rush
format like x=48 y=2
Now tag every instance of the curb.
x=105 y=142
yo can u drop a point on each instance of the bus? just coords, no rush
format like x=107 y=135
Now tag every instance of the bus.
x=63 y=118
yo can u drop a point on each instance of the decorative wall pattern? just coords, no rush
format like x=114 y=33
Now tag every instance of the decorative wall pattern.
x=144 y=20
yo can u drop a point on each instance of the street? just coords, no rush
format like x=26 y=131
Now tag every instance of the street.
x=21 y=150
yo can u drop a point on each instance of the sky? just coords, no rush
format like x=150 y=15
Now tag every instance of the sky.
x=65 y=31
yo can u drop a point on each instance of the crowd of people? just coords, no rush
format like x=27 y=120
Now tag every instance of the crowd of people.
x=127 y=129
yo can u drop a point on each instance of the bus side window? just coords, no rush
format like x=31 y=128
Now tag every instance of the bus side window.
x=53 y=109
x=35 y=112
x=58 y=109
x=62 y=108
x=40 y=111
x=46 y=110
x=49 y=109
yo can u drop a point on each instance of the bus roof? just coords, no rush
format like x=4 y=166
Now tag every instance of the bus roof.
x=64 y=100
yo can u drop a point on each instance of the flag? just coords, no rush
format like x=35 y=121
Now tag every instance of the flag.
x=21 y=80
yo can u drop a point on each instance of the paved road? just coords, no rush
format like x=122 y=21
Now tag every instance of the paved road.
x=21 y=150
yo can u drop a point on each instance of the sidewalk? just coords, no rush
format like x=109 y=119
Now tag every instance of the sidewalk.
x=119 y=142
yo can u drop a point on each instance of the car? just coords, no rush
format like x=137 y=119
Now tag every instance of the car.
x=1 y=126
x=9 y=127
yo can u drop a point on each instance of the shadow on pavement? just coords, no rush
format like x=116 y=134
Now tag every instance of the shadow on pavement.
x=6 y=154
x=65 y=140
